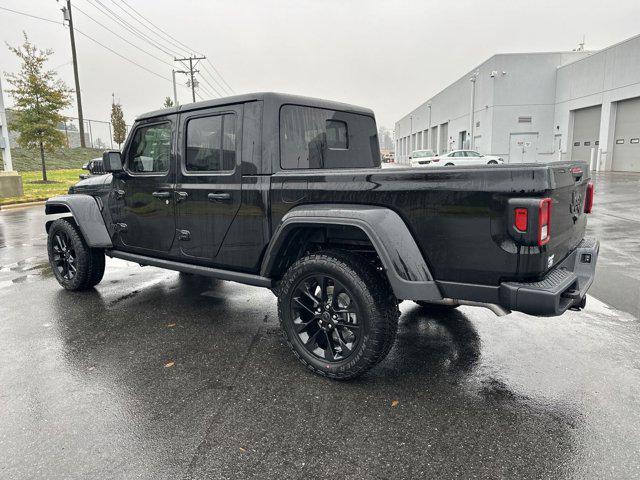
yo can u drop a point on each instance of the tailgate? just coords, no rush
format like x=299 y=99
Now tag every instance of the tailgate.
x=568 y=218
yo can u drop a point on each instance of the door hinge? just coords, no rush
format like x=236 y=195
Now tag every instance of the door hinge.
x=184 y=235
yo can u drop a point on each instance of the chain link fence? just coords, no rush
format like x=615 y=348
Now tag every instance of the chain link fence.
x=97 y=133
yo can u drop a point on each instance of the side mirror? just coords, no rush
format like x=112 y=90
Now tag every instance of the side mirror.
x=410 y=158
x=112 y=161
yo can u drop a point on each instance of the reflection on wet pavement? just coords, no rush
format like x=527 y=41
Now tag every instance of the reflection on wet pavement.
x=159 y=375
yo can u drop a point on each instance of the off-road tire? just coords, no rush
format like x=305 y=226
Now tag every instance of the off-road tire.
x=370 y=290
x=98 y=266
x=89 y=263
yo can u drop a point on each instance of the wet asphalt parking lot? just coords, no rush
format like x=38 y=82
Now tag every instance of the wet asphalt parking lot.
x=157 y=376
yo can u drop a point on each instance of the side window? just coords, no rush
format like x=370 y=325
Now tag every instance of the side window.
x=320 y=138
x=150 y=150
x=211 y=144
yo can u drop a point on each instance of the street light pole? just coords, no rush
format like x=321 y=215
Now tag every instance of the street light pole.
x=175 y=91
x=68 y=16
x=4 y=140
x=410 y=135
x=473 y=79
x=429 y=134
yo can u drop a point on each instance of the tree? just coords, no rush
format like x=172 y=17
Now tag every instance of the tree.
x=168 y=103
x=117 y=121
x=38 y=96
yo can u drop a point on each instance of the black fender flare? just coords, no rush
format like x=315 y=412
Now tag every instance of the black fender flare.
x=401 y=258
x=86 y=213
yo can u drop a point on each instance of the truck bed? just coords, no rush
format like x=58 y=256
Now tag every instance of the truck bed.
x=457 y=215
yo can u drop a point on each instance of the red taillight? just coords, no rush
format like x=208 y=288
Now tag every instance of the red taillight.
x=521 y=219
x=588 y=201
x=435 y=160
x=544 y=222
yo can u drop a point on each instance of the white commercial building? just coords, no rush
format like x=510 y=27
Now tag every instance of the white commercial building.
x=536 y=107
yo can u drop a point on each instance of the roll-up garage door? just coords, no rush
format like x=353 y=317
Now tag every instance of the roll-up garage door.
x=586 y=131
x=626 y=140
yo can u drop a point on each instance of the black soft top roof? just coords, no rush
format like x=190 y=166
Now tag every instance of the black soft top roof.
x=271 y=97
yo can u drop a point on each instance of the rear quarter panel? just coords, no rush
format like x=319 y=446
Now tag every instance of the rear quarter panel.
x=457 y=215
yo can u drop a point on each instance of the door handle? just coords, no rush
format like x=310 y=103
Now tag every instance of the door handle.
x=119 y=193
x=181 y=196
x=218 y=197
x=161 y=194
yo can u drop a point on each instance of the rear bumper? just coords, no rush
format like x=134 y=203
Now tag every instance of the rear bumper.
x=562 y=288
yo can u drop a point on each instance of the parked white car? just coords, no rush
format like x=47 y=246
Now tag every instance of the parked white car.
x=422 y=158
x=468 y=157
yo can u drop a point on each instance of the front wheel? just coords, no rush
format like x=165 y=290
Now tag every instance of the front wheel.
x=448 y=164
x=492 y=162
x=75 y=265
x=338 y=313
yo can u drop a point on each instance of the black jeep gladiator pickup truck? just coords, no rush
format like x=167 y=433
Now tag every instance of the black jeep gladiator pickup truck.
x=287 y=193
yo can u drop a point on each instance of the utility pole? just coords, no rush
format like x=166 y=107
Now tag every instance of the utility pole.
x=192 y=81
x=5 y=146
x=66 y=13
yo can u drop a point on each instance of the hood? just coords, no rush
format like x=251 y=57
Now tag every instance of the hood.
x=92 y=184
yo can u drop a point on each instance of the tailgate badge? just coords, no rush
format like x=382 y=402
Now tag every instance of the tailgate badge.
x=550 y=261
x=576 y=202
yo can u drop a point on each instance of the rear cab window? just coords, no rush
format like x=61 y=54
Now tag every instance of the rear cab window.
x=318 y=138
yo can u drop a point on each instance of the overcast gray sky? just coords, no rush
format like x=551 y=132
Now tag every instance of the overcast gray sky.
x=386 y=55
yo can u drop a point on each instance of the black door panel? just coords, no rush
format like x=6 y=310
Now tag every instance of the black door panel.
x=209 y=179
x=145 y=188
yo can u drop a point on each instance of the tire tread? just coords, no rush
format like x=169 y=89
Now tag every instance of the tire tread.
x=384 y=321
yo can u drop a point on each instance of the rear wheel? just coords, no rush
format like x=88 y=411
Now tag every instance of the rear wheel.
x=448 y=164
x=338 y=314
x=74 y=264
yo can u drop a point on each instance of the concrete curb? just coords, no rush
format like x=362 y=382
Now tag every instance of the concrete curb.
x=12 y=206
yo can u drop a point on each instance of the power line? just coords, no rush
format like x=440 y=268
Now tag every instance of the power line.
x=159 y=35
x=123 y=23
x=178 y=44
x=120 y=37
x=116 y=53
x=206 y=91
x=222 y=87
x=32 y=16
x=220 y=75
x=211 y=86
x=188 y=49
x=122 y=56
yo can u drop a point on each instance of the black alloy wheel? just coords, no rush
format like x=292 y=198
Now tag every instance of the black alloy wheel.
x=64 y=256
x=75 y=265
x=325 y=317
x=338 y=313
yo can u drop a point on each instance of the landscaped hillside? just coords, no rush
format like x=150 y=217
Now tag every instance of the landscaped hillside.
x=67 y=158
